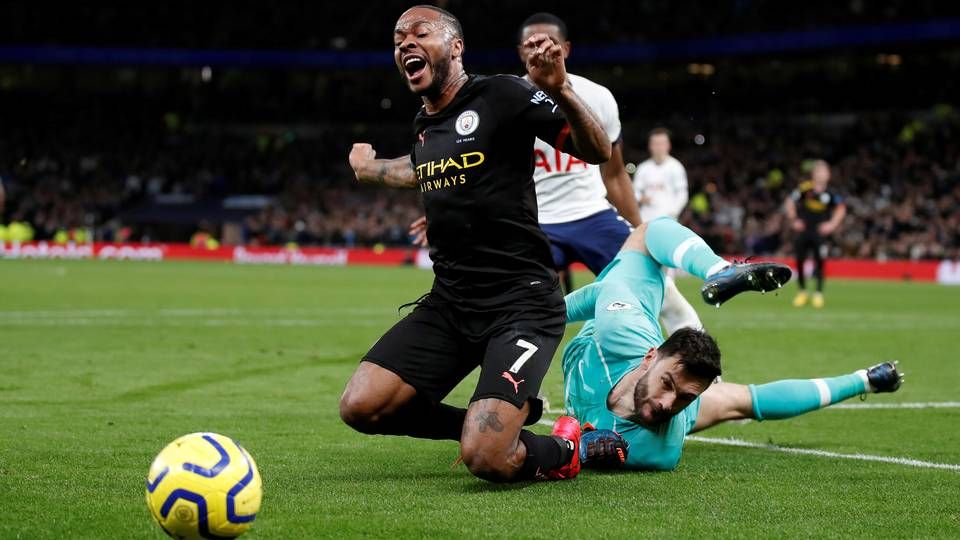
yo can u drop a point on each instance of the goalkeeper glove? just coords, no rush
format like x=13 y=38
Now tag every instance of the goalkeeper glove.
x=602 y=448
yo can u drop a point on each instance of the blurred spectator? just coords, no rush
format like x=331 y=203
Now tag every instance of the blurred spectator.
x=903 y=194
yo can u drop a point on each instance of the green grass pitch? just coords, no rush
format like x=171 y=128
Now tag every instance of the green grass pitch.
x=103 y=363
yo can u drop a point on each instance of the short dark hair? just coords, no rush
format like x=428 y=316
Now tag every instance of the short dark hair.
x=659 y=131
x=544 y=18
x=448 y=19
x=696 y=351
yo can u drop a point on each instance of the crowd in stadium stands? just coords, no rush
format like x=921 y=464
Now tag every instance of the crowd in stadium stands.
x=310 y=214
x=899 y=175
x=84 y=193
x=900 y=180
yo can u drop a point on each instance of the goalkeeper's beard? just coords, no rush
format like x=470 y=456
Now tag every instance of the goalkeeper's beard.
x=641 y=393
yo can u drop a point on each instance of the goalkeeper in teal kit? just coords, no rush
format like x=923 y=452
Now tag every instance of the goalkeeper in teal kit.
x=621 y=376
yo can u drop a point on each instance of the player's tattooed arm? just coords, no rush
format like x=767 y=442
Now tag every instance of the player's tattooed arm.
x=394 y=173
x=590 y=141
x=397 y=172
x=489 y=420
x=547 y=70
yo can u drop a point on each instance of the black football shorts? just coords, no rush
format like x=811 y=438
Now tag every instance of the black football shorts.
x=436 y=346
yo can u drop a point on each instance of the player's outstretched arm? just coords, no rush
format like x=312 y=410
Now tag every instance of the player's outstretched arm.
x=547 y=70
x=619 y=187
x=397 y=172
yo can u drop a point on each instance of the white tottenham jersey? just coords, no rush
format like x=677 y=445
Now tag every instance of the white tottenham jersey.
x=569 y=189
x=665 y=185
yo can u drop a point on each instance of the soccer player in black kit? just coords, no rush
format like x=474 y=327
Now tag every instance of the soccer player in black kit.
x=495 y=301
x=814 y=213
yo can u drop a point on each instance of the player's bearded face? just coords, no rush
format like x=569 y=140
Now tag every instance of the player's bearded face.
x=663 y=391
x=650 y=413
x=422 y=53
x=440 y=72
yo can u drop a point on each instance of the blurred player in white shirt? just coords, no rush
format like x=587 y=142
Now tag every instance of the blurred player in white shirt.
x=660 y=185
x=660 y=182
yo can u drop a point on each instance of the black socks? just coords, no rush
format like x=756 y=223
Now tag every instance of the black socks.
x=544 y=453
x=421 y=419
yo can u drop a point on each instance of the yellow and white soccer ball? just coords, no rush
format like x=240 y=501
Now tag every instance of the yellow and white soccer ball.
x=204 y=485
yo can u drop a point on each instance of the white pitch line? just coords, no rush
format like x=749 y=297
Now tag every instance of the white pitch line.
x=826 y=454
x=810 y=452
x=907 y=405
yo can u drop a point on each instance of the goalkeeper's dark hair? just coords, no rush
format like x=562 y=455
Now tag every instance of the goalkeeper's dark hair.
x=696 y=351
x=544 y=18
x=449 y=19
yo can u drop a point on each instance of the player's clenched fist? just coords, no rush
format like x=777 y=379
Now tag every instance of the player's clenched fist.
x=361 y=155
x=385 y=172
x=545 y=65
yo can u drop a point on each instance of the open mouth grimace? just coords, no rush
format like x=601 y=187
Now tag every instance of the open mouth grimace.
x=413 y=67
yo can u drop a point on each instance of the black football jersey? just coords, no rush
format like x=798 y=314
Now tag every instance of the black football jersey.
x=814 y=207
x=474 y=164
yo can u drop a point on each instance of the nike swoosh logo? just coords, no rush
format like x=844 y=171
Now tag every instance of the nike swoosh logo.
x=618 y=306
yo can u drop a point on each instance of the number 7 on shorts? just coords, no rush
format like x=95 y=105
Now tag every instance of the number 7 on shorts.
x=529 y=350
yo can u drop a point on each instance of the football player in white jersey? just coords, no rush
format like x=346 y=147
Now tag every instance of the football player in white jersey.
x=660 y=185
x=569 y=189
x=585 y=210
x=575 y=198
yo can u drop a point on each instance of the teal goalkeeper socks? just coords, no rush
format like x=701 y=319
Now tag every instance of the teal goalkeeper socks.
x=789 y=398
x=671 y=244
